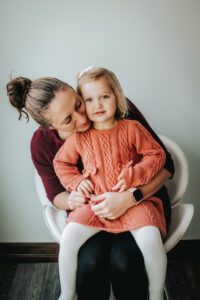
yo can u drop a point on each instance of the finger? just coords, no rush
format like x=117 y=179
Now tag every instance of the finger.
x=118 y=185
x=98 y=207
x=122 y=189
x=85 y=191
x=91 y=185
x=79 y=204
x=79 y=194
x=76 y=197
x=108 y=216
x=120 y=176
x=98 y=198
x=86 y=184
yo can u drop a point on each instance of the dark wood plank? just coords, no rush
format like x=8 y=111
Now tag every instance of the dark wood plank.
x=35 y=281
x=183 y=280
x=7 y=273
x=40 y=281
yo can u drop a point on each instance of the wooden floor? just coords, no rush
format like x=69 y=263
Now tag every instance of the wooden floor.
x=40 y=281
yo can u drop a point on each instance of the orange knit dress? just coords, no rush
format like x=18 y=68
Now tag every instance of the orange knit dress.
x=127 y=148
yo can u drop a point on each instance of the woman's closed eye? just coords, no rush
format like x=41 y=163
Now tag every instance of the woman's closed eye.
x=78 y=104
x=68 y=120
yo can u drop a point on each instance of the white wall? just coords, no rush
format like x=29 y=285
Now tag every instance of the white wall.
x=152 y=46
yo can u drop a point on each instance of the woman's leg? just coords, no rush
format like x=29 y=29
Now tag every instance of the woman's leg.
x=128 y=275
x=150 y=243
x=93 y=278
x=73 y=236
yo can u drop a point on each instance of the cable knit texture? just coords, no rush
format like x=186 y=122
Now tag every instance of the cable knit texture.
x=127 y=148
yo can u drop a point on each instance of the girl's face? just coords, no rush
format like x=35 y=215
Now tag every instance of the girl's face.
x=67 y=112
x=100 y=103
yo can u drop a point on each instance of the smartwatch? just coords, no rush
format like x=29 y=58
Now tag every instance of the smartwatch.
x=138 y=196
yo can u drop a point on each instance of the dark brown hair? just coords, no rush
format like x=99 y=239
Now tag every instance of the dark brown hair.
x=34 y=97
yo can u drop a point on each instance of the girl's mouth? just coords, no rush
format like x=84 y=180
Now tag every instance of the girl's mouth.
x=98 y=113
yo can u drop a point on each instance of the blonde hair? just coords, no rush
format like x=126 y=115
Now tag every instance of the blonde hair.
x=94 y=73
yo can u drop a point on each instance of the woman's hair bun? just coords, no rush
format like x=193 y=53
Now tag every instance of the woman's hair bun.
x=17 y=90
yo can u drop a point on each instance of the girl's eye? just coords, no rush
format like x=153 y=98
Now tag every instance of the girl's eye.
x=88 y=100
x=105 y=96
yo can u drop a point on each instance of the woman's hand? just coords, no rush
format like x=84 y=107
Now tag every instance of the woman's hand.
x=112 y=205
x=86 y=187
x=76 y=199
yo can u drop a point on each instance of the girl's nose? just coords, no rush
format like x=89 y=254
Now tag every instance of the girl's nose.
x=99 y=103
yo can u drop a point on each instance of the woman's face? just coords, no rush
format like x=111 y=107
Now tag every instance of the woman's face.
x=67 y=112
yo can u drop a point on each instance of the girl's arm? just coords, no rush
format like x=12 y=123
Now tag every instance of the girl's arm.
x=65 y=164
x=153 y=156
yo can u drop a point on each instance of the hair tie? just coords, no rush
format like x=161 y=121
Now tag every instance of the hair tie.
x=84 y=71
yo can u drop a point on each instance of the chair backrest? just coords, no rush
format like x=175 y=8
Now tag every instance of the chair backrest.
x=178 y=185
x=41 y=190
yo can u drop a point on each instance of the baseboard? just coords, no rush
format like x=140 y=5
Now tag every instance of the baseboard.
x=186 y=250
x=48 y=252
x=29 y=252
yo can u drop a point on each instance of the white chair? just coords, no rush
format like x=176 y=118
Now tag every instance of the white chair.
x=181 y=213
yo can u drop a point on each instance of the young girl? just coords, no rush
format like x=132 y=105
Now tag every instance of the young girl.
x=117 y=154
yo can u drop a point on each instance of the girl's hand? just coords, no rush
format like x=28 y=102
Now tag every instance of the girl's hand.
x=86 y=187
x=112 y=204
x=76 y=199
x=121 y=185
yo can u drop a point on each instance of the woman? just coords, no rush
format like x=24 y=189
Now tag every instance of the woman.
x=104 y=258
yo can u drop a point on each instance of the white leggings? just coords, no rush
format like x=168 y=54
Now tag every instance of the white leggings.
x=148 y=240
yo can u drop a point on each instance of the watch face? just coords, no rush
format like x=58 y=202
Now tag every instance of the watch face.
x=138 y=195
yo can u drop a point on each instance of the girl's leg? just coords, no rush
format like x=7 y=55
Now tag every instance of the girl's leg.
x=150 y=243
x=73 y=236
x=128 y=274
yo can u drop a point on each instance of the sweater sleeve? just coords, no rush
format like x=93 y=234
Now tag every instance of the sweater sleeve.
x=43 y=150
x=65 y=164
x=152 y=156
x=135 y=114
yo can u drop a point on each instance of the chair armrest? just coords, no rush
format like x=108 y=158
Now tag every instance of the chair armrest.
x=55 y=220
x=181 y=217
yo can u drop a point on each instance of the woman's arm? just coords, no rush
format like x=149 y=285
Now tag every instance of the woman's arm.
x=43 y=149
x=135 y=114
x=155 y=184
x=115 y=204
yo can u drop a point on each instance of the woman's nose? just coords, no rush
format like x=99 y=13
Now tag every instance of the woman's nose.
x=79 y=118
